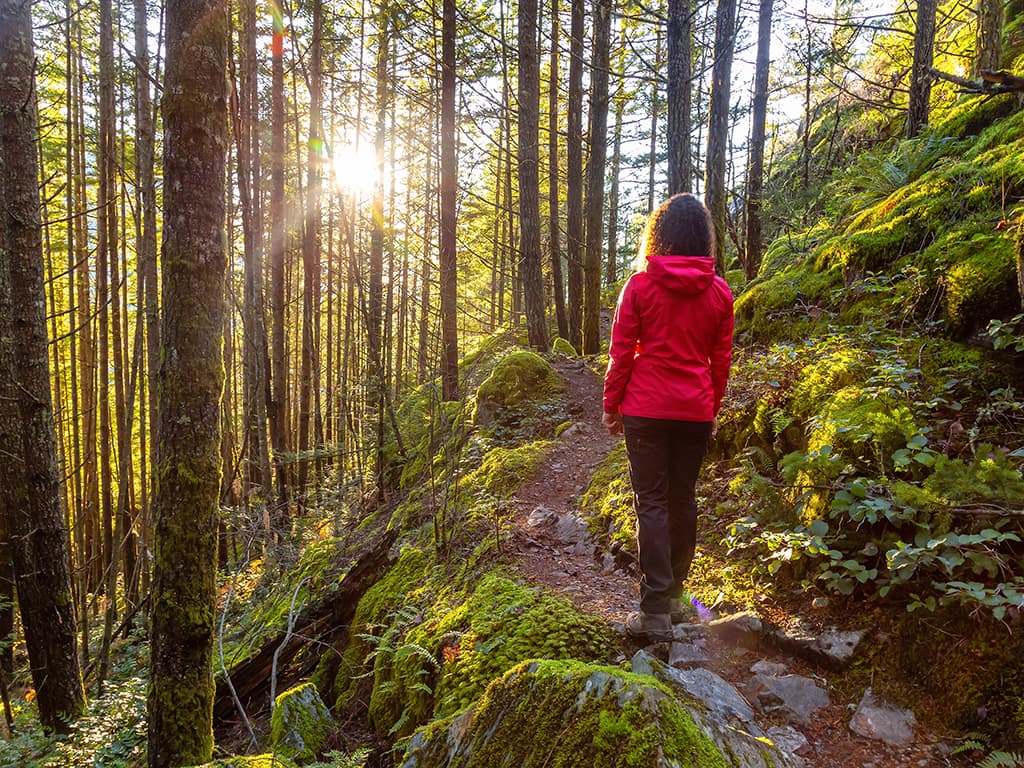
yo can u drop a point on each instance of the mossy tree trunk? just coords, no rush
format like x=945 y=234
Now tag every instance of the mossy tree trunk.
x=596 y=164
x=30 y=498
x=191 y=380
x=920 y=72
x=988 y=50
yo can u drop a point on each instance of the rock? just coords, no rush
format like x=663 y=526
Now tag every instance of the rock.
x=878 y=720
x=721 y=712
x=541 y=517
x=300 y=723
x=794 y=696
x=833 y=648
x=723 y=702
x=682 y=654
x=568 y=713
x=820 y=602
x=789 y=740
x=520 y=376
x=563 y=347
x=765 y=667
x=739 y=629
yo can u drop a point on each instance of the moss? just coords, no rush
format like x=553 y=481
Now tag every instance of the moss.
x=563 y=348
x=973 y=114
x=575 y=714
x=503 y=469
x=251 y=761
x=607 y=502
x=300 y=723
x=983 y=285
x=521 y=376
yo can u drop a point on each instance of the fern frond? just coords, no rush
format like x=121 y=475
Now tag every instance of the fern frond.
x=1003 y=760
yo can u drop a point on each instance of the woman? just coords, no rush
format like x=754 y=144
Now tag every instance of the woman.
x=669 y=362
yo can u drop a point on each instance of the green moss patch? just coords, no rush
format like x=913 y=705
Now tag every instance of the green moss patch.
x=575 y=714
x=520 y=376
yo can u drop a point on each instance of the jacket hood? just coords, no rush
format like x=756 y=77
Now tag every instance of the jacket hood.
x=689 y=275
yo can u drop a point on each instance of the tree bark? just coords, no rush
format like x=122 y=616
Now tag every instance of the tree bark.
x=989 y=36
x=755 y=166
x=554 y=174
x=29 y=475
x=920 y=73
x=574 y=179
x=181 y=689
x=449 y=181
x=529 y=177
x=600 y=62
x=679 y=36
x=718 y=125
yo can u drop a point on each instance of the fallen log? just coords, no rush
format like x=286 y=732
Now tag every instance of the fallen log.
x=319 y=624
x=988 y=82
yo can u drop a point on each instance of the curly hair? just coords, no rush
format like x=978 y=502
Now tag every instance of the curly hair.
x=681 y=226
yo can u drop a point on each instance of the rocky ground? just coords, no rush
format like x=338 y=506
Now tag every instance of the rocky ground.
x=771 y=679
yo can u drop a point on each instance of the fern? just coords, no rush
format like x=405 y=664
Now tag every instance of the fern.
x=1003 y=760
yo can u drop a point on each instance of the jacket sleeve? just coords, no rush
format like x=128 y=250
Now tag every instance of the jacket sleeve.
x=622 y=351
x=721 y=353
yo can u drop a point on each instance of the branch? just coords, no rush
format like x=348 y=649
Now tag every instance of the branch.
x=989 y=82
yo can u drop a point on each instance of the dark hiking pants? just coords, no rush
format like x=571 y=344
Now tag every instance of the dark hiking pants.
x=664 y=460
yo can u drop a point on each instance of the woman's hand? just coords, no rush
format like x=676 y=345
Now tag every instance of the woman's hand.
x=613 y=421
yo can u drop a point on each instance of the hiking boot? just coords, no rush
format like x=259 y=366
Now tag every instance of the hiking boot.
x=682 y=611
x=656 y=627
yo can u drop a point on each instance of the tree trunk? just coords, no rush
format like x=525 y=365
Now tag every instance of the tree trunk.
x=652 y=153
x=679 y=36
x=574 y=178
x=529 y=177
x=278 y=370
x=554 y=224
x=181 y=688
x=718 y=125
x=600 y=61
x=989 y=36
x=755 y=167
x=30 y=480
x=920 y=73
x=612 y=265
x=449 y=181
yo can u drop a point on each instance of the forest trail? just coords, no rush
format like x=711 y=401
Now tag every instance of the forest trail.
x=550 y=550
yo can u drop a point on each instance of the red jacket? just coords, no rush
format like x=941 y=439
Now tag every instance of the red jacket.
x=671 y=342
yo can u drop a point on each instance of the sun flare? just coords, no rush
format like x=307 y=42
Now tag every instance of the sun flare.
x=355 y=170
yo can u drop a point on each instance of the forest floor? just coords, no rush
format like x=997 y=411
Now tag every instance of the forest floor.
x=545 y=559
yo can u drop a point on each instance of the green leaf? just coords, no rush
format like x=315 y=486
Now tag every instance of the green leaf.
x=819 y=527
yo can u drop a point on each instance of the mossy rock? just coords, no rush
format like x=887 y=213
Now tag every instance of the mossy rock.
x=563 y=348
x=564 y=714
x=983 y=286
x=300 y=723
x=521 y=376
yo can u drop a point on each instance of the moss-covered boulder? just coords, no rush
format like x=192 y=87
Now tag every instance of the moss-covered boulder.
x=563 y=347
x=567 y=714
x=300 y=723
x=521 y=376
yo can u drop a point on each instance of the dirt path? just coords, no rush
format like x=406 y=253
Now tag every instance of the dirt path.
x=547 y=558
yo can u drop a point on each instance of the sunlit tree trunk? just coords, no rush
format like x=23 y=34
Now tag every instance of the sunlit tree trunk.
x=181 y=689
x=449 y=180
x=601 y=57
x=718 y=125
x=679 y=38
x=29 y=474
x=574 y=178
x=989 y=35
x=920 y=72
x=652 y=153
x=755 y=166
x=611 y=265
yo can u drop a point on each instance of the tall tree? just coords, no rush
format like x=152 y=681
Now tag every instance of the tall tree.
x=611 y=268
x=718 y=124
x=601 y=59
x=920 y=72
x=679 y=36
x=29 y=475
x=449 y=182
x=554 y=178
x=755 y=166
x=988 y=35
x=529 y=177
x=574 y=178
x=181 y=689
